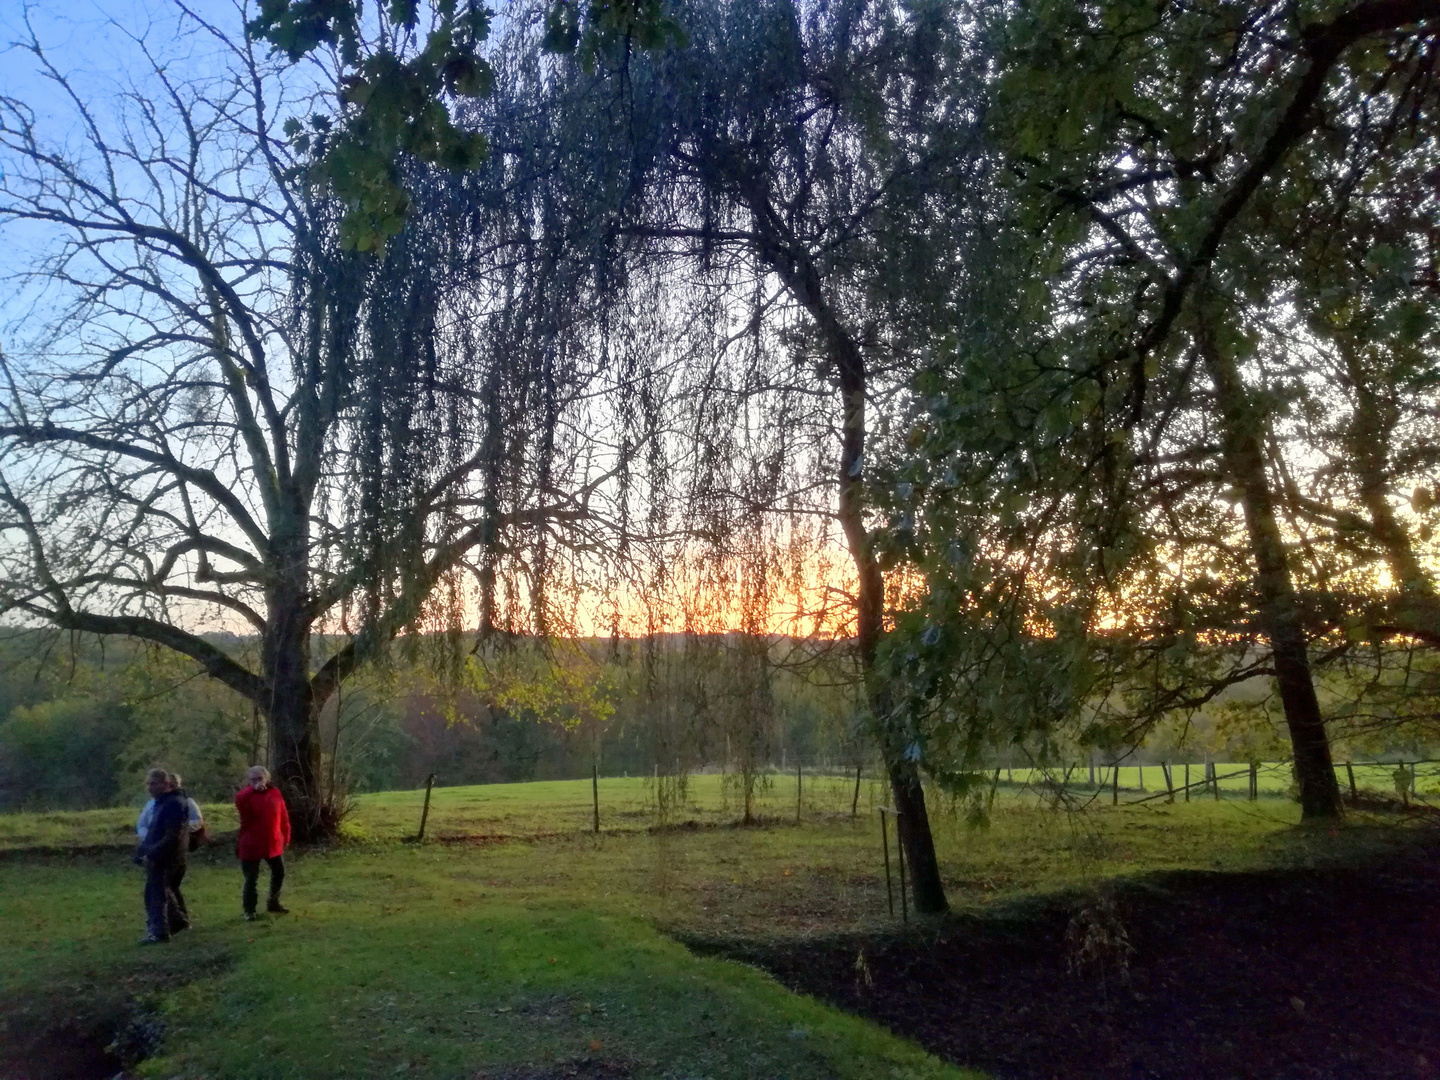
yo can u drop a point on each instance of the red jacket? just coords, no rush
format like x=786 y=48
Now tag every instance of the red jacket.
x=264 y=823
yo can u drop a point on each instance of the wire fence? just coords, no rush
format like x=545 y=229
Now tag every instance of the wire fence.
x=1405 y=781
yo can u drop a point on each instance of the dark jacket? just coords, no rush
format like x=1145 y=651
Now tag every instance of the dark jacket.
x=167 y=841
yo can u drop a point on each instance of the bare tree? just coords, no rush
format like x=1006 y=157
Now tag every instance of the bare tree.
x=216 y=418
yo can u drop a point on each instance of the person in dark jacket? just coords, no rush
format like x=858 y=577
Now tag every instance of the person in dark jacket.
x=161 y=852
x=180 y=919
x=264 y=833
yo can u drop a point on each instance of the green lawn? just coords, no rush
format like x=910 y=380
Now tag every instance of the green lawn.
x=513 y=935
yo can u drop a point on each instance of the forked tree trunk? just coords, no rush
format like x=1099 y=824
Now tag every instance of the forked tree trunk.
x=1280 y=615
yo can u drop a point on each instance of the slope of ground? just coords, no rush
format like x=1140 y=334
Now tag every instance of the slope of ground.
x=514 y=945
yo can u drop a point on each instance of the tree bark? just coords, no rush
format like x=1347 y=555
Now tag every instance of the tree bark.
x=289 y=702
x=1279 y=614
x=913 y=820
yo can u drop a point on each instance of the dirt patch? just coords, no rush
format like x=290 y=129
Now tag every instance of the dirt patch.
x=1300 y=975
x=90 y=1027
x=579 y=1069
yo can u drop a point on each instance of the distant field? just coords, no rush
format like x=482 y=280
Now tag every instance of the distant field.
x=628 y=804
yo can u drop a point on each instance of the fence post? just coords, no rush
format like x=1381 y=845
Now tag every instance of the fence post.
x=798 y=788
x=1169 y=782
x=1140 y=769
x=1354 y=793
x=425 y=813
x=1215 y=779
x=1254 y=781
x=855 y=802
x=1187 y=781
x=595 y=790
x=885 y=848
x=1115 y=784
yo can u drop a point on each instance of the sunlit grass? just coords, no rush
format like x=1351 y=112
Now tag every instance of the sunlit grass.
x=513 y=934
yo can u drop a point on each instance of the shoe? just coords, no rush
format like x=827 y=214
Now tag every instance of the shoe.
x=151 y=939
x=249 y=916
x=276 y=908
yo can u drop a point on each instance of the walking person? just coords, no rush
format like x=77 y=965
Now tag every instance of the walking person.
x=264 y=833
x=162 y=850
x=196 y=821
x=197 y=837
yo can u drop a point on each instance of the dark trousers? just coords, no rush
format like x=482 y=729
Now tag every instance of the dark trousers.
x=161 y=910
x=180 y=915
x=251 y=869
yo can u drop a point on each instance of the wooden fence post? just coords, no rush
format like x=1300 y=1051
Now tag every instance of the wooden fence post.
x=425 y=813
x=1254 y=781
x=1215 y=779
x=1354 y=793
x=1169 y=782
x=1140 y=769
x=1115 y=784
x=595 y=790
x=855 y=802
x=1187 y=781
x=799 y=787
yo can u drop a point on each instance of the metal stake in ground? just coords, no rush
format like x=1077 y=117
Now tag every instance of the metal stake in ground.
x=425 y=812
x=885 y=848
x=900 y=855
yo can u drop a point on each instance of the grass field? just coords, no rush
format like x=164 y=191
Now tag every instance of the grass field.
x=514 y=938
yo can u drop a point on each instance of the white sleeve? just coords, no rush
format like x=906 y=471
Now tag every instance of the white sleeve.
x=142 y=824
x=196 y=818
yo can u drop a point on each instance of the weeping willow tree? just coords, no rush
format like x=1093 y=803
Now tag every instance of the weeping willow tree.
x=226 y=432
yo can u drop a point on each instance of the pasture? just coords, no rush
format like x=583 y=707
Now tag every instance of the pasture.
x=515 y=943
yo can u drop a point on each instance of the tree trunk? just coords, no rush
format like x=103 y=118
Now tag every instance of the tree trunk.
x=1280 y=615
x=781 y=251
x=926 y=889
x=290 y=706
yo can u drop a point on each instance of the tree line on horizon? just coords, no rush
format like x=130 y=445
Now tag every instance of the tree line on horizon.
x=1099 y=337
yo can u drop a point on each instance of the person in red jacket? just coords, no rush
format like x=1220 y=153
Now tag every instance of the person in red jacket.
x=264 y=832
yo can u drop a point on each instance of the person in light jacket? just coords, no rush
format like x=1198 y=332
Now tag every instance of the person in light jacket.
x=264 y=833
x=162 y=850
x=197 y=819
